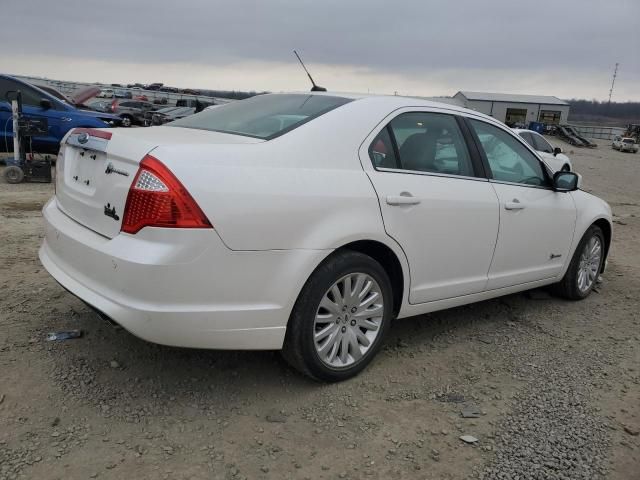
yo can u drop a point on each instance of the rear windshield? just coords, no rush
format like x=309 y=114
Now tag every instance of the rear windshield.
x=262 y=116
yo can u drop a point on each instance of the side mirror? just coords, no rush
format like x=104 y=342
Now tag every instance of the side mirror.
x=556 y=151
x=566 y=181
x=45 y=103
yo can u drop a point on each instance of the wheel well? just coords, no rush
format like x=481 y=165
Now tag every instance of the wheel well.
x=606 y=230
x=389 y=261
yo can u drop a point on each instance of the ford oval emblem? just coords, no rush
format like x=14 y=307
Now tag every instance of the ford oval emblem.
x=83 y=137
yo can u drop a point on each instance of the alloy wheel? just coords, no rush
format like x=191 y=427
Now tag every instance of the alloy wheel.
x=589 y=265
x=348 y=320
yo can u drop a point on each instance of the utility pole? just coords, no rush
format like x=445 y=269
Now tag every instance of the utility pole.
x=613 y=81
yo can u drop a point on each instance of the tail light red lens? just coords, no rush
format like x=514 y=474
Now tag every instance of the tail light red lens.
x=158 y=199
x=114 y=105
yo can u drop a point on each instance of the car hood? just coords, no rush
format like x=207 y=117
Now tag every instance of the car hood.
x=84 y=94
x=102 y=115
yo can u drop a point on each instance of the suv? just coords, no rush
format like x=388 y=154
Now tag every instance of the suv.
x=624 y=144
x=60 y=115
x=131 y=111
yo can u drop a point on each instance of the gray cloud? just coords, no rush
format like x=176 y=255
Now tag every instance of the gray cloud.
x=402 y=37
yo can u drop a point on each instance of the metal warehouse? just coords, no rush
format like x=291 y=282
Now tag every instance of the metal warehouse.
x=515 y=109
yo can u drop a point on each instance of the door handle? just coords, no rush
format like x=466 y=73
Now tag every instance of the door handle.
x=514 y=205
x=406 y=199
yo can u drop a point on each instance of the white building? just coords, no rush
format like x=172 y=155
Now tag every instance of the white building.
x=512 y=108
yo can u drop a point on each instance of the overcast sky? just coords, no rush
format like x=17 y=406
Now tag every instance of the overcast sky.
x=566 y=48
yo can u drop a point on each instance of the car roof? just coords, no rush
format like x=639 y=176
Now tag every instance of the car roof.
x=394 y=101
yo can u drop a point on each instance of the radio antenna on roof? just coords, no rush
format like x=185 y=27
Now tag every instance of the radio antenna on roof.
x=315 y=87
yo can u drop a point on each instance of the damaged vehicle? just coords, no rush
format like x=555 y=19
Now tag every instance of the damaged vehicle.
x=308 y=222
x=60 y=115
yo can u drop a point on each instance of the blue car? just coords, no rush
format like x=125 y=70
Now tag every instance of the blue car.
x=60 y=115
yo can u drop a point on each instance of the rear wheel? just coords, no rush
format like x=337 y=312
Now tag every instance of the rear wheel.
x=340 y=318
x=585 y=266
x=13 y=174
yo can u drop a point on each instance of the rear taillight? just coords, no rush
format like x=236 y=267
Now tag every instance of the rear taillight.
x=114 y=104
x=158 y=199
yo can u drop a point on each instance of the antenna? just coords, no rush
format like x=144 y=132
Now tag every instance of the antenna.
x=315 y=87
x=613 y=81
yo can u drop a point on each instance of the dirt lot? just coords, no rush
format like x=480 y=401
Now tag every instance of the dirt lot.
x=556 y=384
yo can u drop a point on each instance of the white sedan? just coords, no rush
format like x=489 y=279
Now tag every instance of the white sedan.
x=307 y=222
x=552 y=156
x=624 y=144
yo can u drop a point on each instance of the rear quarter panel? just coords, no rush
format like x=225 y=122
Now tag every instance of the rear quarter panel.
x=305 y=189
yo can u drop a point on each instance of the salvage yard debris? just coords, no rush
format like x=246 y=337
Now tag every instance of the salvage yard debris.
x=63 y=335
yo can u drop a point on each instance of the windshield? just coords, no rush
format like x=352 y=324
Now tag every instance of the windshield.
x=262 y=116
x=627 y=140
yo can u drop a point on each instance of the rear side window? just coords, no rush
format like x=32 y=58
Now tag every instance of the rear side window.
x=527 y=137
x=262 y=116
x=541 y=144
x=381 y=151
x=426 y=142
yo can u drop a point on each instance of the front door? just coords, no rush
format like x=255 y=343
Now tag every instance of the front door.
x=434 y=204
x=536 y=223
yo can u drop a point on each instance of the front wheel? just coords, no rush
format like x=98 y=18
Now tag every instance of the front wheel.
x=127 y=121
x=340 y=318
x=585 y=266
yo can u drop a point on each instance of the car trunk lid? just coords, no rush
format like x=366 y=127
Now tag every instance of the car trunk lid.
x=95 y=169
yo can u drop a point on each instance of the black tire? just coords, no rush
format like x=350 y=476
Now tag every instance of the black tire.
x=568 y=286
x=127 y=120
x=13 y=174
x=299 y=348
x=565 y=168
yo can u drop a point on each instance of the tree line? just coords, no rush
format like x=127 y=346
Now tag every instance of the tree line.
x=621 y=110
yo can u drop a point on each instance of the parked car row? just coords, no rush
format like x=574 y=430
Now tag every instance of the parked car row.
x=167 y=114
x=90 y=107
x=62 y=113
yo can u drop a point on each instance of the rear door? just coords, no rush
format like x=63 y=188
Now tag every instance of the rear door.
x=536 y=223
x=435 y=202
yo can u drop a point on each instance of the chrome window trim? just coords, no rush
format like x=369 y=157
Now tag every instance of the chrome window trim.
x=540 y=187
x=430 y=174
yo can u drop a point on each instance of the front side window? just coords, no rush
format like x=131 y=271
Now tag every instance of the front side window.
x=509 y=160
x=426 y=142
x=541 y=144
x=262 y=116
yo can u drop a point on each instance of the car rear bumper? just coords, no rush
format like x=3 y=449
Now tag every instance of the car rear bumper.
x=180 y=287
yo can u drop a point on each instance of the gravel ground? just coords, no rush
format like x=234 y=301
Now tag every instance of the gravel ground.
x=548 y=389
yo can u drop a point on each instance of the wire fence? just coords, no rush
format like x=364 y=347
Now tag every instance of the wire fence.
x=598 y=131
